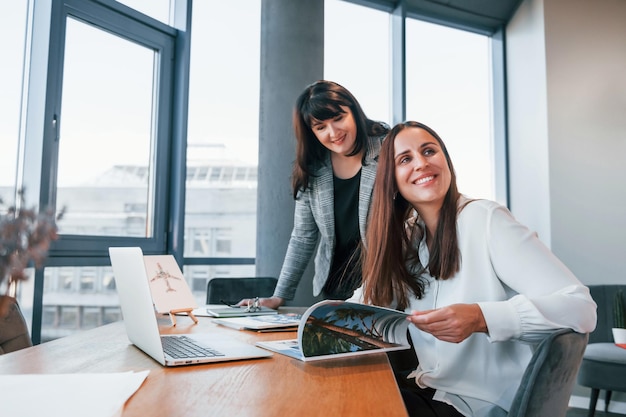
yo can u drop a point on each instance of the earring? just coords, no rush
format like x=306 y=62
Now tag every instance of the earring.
x=395 y=195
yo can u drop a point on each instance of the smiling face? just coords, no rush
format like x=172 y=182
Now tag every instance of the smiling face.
x=337 y=134
x=421 y=169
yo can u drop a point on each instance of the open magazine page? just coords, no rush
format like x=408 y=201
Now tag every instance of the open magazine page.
x=331 y=329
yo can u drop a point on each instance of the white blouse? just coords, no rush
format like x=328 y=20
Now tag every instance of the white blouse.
x=524 y=292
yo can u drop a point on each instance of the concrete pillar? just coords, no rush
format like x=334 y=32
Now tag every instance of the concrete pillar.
x=292 y=56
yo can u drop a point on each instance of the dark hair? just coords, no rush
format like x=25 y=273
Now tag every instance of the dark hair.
x=391 y=262
x=322 y=100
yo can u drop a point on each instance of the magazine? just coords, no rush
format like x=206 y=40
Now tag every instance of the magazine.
x=273 y=322
x=331 y=329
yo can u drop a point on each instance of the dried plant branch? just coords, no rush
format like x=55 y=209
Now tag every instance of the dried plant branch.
x=25 y=236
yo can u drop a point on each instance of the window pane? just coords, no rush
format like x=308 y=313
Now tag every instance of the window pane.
x=223 y=125
x=77 y=298
x=12 y=26
x=449 y=89
x=357 y=54
x=157 y=9
x=106 y=134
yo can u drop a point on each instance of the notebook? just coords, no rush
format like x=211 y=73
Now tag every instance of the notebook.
x=142 y=329
x=234 y=311
x=272 y=322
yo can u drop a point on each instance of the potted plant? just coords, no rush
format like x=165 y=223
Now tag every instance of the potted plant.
x=619 y=320
x=25 y=237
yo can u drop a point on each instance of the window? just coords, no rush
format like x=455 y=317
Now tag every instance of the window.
x=223 y=125
x=97 y=142
x=448 y=82
x=13 y=19
x=357 y=54
x=107 y=142
x=107 y=133
x=14 y=30
x=77 y=298
x=88 y=280
x=449 y=88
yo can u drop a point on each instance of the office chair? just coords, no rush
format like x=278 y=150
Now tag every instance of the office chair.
x=233 y=290
x=604 y=364
x=549 y=379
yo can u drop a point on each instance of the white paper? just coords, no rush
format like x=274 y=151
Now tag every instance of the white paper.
x=68 y=395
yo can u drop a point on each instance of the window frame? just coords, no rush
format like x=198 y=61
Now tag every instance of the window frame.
x=130 y=25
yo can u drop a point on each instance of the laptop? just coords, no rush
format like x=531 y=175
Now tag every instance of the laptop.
x=142 y=329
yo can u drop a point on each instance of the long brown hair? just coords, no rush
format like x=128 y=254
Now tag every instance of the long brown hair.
x=322 y=100
x=391 y=265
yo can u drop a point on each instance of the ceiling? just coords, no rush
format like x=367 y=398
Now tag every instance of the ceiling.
x=485 y=16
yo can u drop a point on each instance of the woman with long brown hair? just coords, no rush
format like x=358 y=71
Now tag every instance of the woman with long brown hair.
x=480 y=287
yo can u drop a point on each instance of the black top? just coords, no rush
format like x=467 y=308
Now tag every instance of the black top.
x=345 y=271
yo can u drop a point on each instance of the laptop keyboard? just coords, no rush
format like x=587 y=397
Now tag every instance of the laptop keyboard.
x=184 y=347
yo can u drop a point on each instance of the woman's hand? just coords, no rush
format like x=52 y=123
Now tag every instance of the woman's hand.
x=453 y=323
x=271 y=302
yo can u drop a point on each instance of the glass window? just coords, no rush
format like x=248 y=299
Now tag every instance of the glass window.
x=14 y=29
x=106 y=134
x=200 y=244
x=13 y=18
x=77 y=298
x=448 y=87
x=65 y=279
x=223 y=126
x=357 y=54
x=110 y=83
x=87 y=280
x=240 y=173
x=201 y=173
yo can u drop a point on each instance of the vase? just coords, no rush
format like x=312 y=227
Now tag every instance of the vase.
x=619 y=337
x=14 y=333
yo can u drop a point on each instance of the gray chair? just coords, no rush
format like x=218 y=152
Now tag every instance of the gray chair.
x=549 y=379
x=232 y=290
x=604 y=364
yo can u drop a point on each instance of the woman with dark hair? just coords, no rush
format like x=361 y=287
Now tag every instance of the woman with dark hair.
x=336 y=151
x=475 y=281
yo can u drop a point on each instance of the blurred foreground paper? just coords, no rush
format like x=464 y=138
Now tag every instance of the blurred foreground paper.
x=68 y=395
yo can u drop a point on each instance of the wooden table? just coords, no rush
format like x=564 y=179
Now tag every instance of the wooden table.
x=276 y=386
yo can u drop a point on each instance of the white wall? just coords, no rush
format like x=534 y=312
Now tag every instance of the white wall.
x=586 y=61
x=527 y=119
x=566 y=85
x=566 y=69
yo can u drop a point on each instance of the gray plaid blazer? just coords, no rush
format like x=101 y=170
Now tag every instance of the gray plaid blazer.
x=314 y=220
